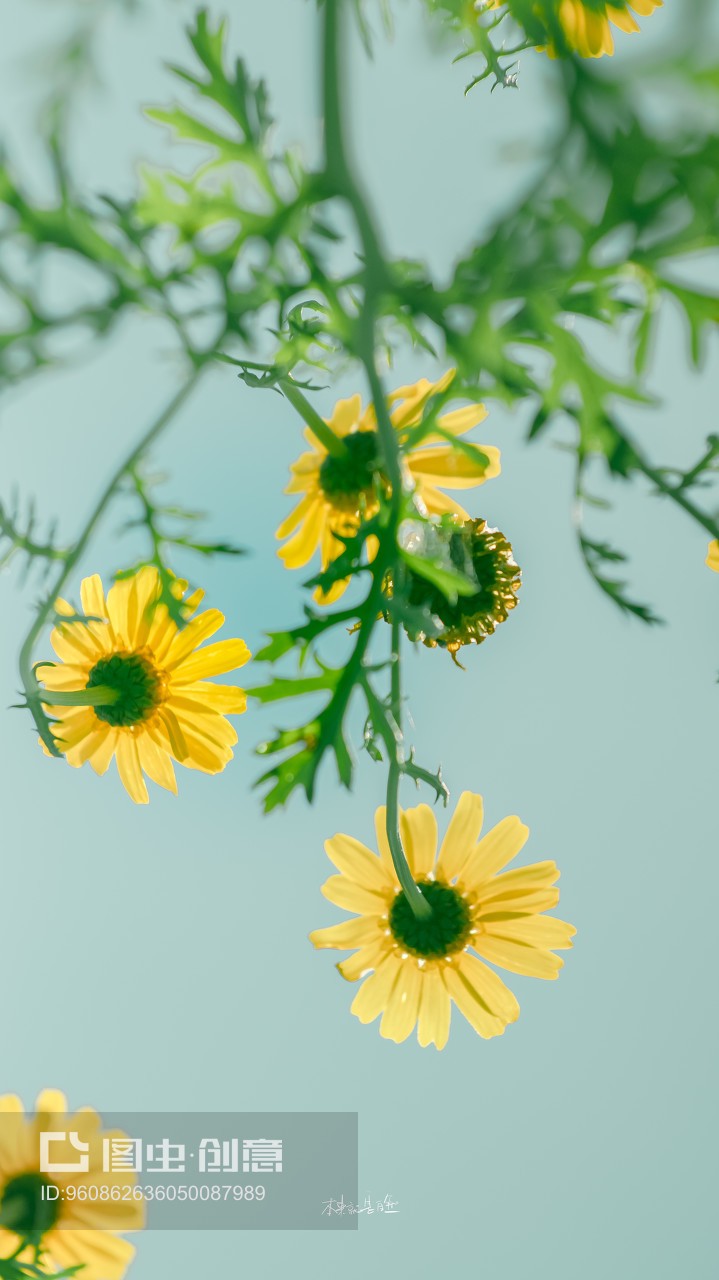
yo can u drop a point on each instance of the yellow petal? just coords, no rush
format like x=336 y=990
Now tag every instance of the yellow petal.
x=440 y=504
x=489 y=986
x=355 y=861
x=459 y=421
x=535 y=931
x=411 y=400
x=77 y=642
x=190 y=637
x=348 y=934
x=165 y=728
x=302 y=545
x=646 y=7
x=128 y=767
x=204 y=755
x=494 y=851
x=213 y=660
x=226 y=699
x=450 y=468
x=622 y=18
x=471 y=1003
x=524 y=902
x=94 y=742
x=462 y=834
x=346 y=415
x=514 y=885
x=296 y=516
x=157 y=764
x=194 y=719
x=92 y=596
x=517 y=958
x=103 y=753
x=353 y=897
x=366 y=959
x=118 y=599
x=400 y=1016
x=50 y=1102
x=435 y=1010
x=101 y=1255
x=371 y=999
x=66 y=675
x=11 y=1104
x=418 y=829
x=712 y=559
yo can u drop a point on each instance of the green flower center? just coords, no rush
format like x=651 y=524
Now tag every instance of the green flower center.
x=480 y=553
x=23 y=1208
x=346 y=478
x=136 y=682
x=442 y=933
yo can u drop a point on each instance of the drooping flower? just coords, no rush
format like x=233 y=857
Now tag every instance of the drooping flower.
x=164 y=706
x=70 y=1231
x=338 y=492
x=418 y=968
x=481 y=553
x=587 y=24
x=712 y=559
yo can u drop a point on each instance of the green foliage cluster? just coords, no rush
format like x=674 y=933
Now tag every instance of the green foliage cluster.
x=251 y=278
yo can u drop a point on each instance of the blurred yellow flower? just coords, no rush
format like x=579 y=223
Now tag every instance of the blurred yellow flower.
x=587 y=25
x=70 y=1231
x=163 y=707
x=337 y=492
x=712 y=559
x=419 y=967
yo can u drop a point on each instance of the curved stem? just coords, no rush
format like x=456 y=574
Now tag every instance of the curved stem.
x=317 y=425
x=33 y=693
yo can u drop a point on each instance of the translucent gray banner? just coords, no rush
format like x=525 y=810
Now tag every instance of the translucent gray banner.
x=217 y=1171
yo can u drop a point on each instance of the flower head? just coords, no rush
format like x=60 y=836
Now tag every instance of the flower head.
x=587 y=24
x=712 y=559
x=158 y=702
x=69 y=1231
x=338 y=492
x=419 y=967
x=483 y=554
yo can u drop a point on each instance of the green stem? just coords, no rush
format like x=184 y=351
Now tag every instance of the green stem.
x=35 y=696
x=317 y=425
x=338 y=179
x=675 y=492
x=100 y=695
x=412 y=892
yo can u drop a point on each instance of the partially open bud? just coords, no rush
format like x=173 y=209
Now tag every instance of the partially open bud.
x=480 y=554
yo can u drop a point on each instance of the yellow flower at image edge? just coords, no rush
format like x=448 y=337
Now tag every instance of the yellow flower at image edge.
x=587 y=24
x=337 y=492
x=712 y=559
x=72 y=1232
x=420 y=968
x=165 y=707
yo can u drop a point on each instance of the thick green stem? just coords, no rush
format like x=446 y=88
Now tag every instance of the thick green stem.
x=317 y=425
x=35 y=696
x=99 y=695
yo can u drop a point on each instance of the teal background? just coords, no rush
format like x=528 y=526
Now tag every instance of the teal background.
x=157 y=958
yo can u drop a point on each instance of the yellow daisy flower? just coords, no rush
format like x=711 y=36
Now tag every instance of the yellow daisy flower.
x=161 y=705
x=419 y=967
x=587 y=27
x=70 y=1231
x=712 y=559
x=338 y=491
